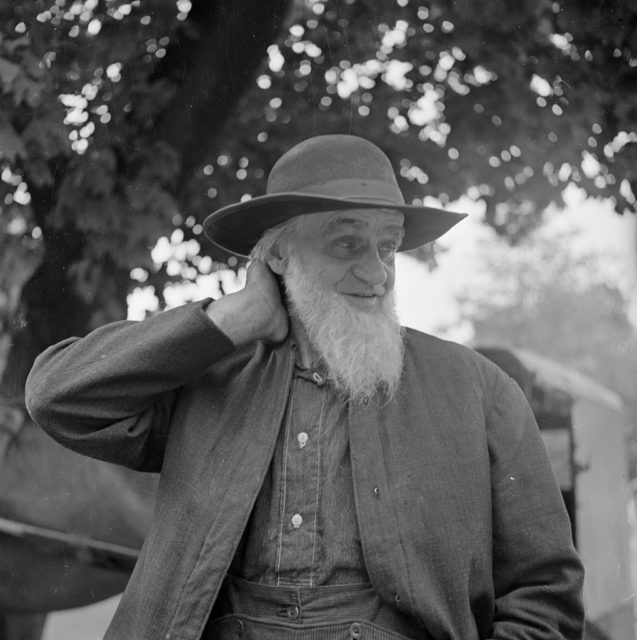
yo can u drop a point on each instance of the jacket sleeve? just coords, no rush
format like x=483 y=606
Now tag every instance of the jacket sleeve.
x=536 y=571
x=110 y=394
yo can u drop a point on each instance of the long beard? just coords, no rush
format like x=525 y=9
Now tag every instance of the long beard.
x=363 y=350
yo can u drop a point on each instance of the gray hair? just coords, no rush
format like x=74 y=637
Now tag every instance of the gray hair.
x=282 y=234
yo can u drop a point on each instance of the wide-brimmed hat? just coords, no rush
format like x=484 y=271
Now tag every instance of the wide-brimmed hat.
x=325 y=173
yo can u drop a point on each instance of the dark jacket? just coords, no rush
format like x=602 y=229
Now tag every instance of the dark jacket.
x=461 y=521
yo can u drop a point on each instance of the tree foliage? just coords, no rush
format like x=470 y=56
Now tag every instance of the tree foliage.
x=506 y=101
x=121 y=122
x=106 y=108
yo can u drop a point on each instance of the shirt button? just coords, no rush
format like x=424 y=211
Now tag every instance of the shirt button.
x=318 y=378
x=302 y=439
x=237 y=630
x=297 y=520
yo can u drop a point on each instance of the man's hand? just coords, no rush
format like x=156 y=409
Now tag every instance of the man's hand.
x=254 y=313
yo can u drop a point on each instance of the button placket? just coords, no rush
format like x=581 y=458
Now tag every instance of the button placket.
x=311 y=408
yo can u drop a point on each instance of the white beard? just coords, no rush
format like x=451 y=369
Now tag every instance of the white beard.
x=363 y=350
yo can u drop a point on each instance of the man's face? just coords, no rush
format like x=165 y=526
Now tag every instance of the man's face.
x=352 y=253
x=339 y=278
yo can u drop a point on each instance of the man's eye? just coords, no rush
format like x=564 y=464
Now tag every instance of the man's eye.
x=388 y=248
x=346 y=243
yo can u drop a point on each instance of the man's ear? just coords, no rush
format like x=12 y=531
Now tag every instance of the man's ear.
x=277 y=259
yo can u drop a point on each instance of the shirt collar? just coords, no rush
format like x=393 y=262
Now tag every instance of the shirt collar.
x=316 y=373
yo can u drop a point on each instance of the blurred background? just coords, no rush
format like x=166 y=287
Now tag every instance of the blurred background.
x=123 y=124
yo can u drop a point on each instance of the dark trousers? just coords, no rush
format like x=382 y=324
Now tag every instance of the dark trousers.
x=250 y=611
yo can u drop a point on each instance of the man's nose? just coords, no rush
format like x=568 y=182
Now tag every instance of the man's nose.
x=370 y=269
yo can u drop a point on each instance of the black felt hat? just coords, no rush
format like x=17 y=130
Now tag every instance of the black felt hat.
x=325 y=173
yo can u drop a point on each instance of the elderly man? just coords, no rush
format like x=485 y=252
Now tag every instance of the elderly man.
x=325 y=473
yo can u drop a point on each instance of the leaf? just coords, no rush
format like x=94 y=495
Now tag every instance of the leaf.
x=18 y=259
x=9 y=71
x=28 y=91
x=38 y=172
x=16 y=43
x=11 y=145
x=46 y=135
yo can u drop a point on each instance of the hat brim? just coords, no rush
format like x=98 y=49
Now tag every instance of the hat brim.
x=236 y=228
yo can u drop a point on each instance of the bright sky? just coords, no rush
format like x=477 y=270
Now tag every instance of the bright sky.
x=426 y=299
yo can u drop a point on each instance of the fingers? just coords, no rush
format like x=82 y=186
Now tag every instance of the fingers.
x=257 y=270
x=260 y=274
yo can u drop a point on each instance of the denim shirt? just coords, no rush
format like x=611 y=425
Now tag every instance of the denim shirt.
x=303 y=529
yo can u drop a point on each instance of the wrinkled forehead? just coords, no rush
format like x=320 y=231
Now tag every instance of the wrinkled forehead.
x=378 y=220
